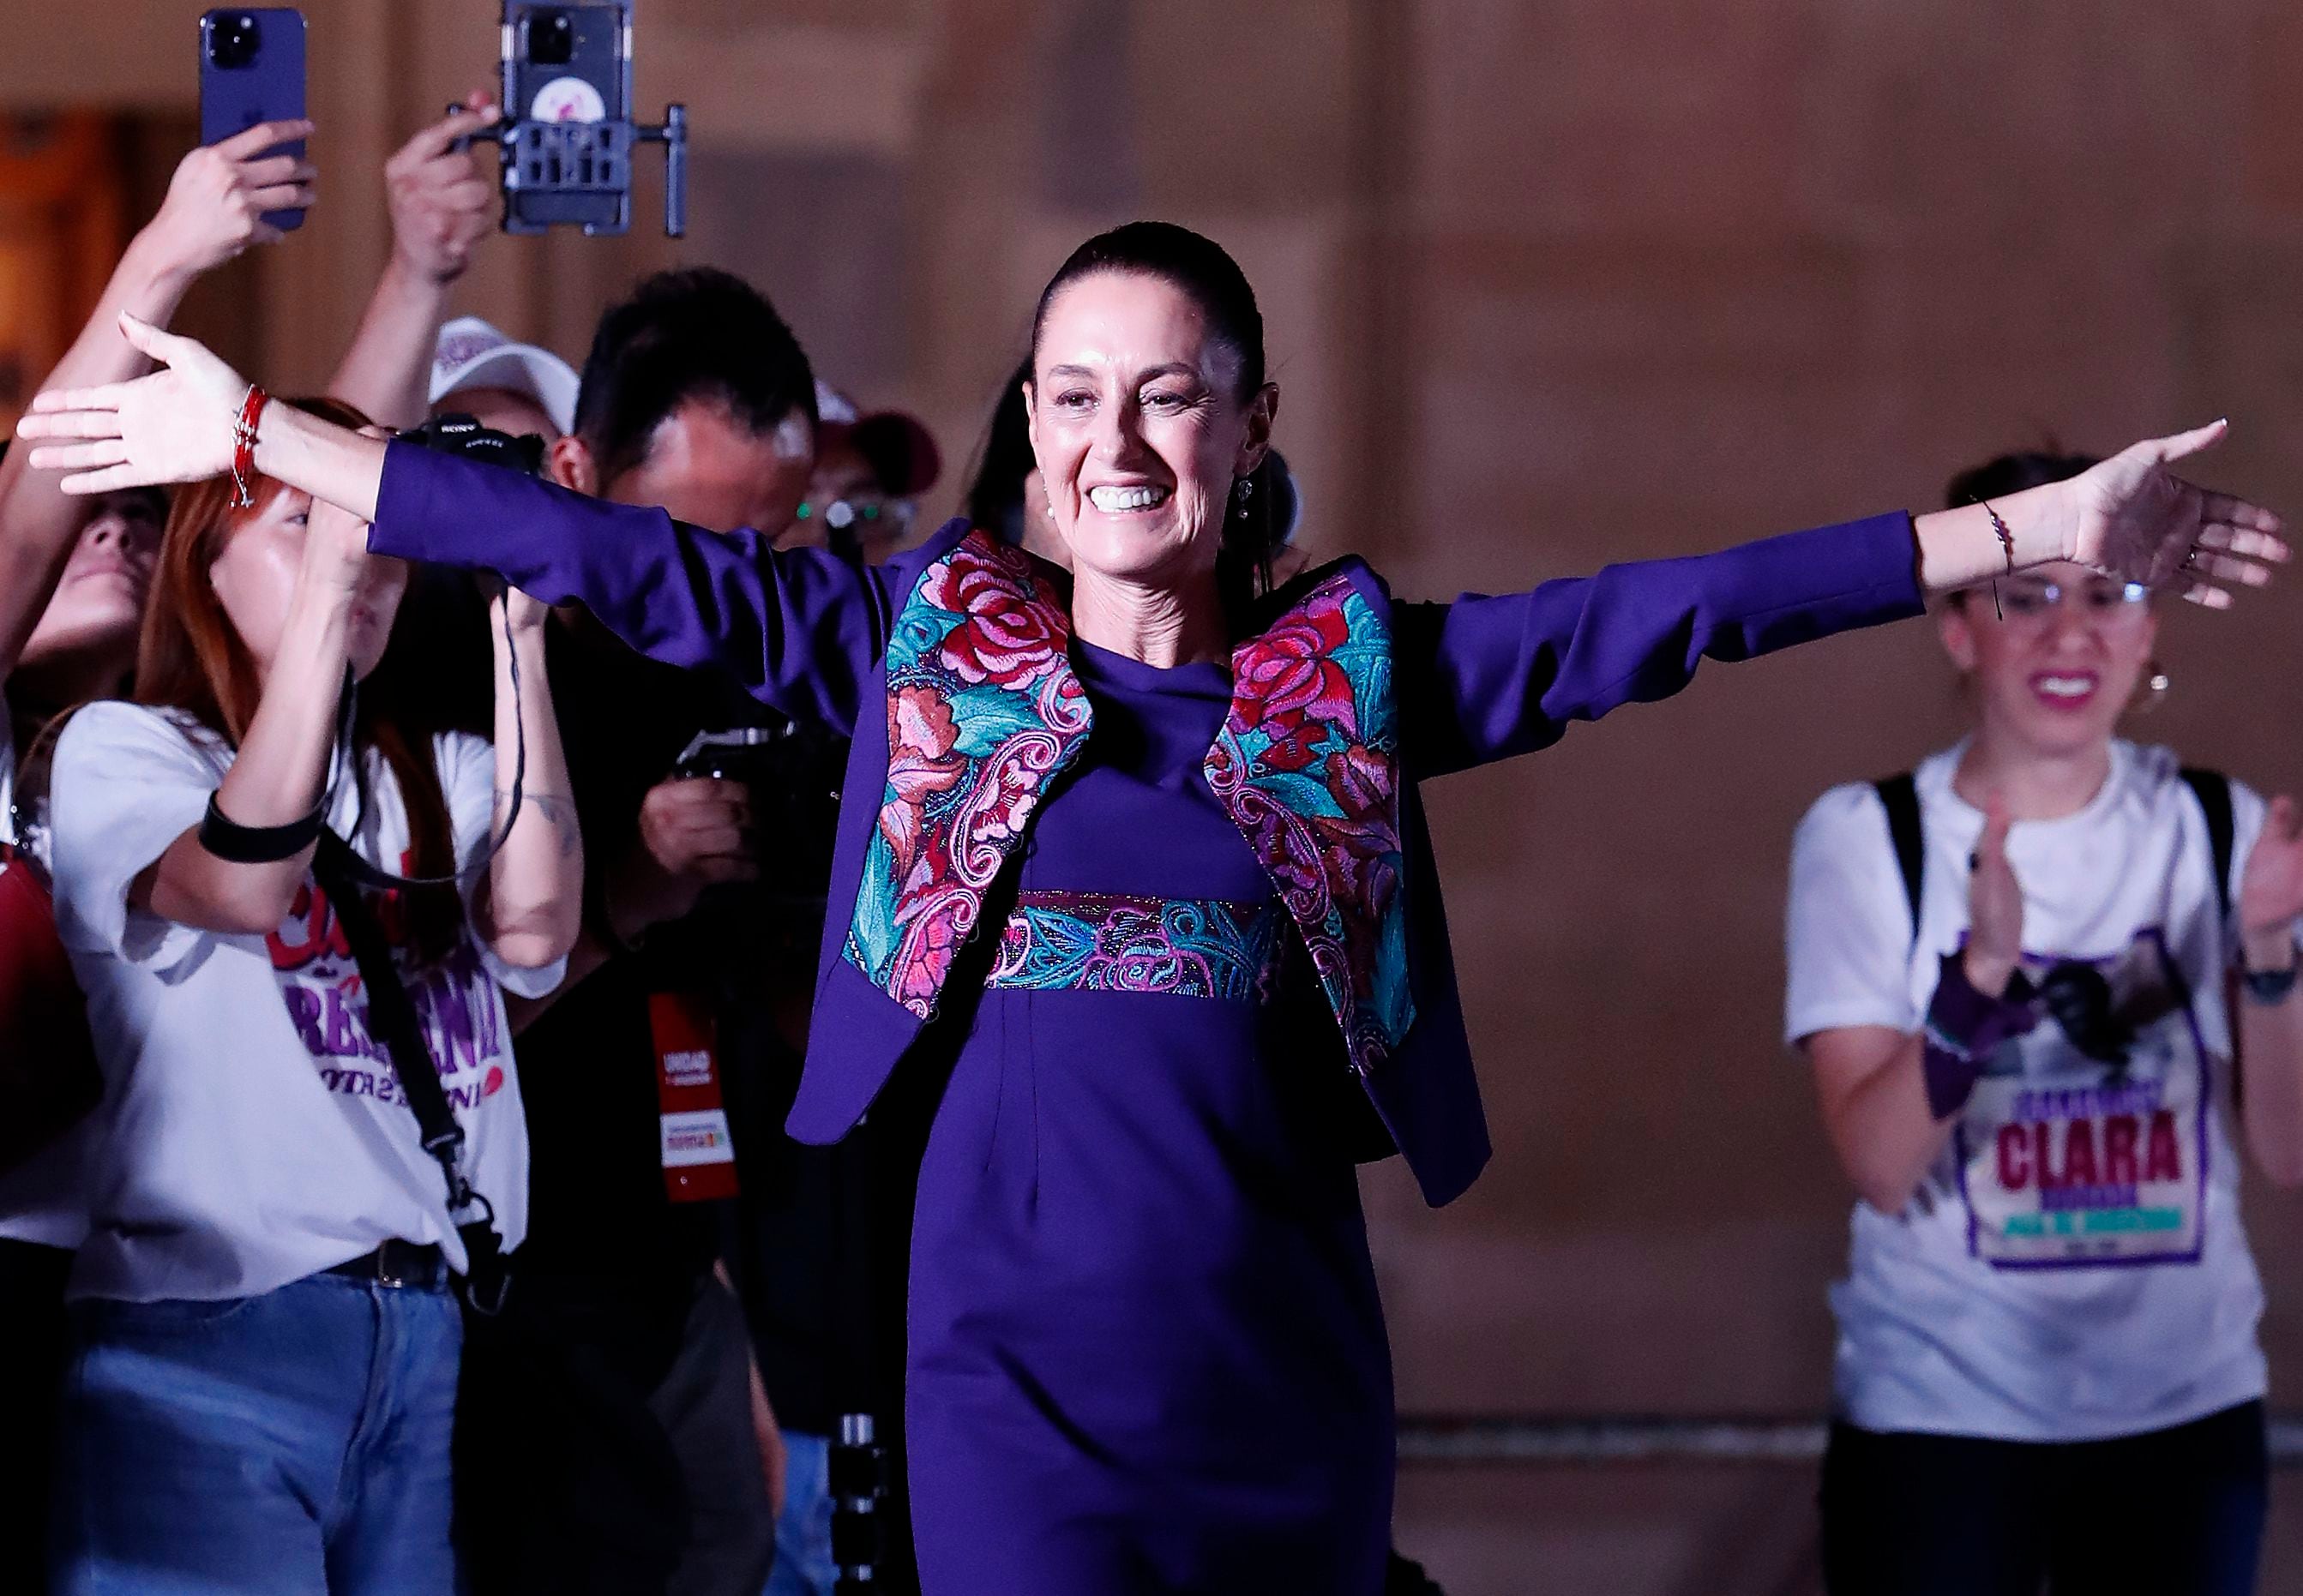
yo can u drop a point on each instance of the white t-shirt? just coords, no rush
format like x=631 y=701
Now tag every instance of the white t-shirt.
x=252 y=1132
x=2074 y=1266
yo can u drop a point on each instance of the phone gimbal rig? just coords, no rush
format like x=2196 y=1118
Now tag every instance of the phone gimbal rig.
x=579 y=173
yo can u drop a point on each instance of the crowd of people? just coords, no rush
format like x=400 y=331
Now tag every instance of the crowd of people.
x=571 y=964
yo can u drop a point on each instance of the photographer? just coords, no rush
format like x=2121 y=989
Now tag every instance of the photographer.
x=74 y=574
x=625 y=1436
x=263 y=1294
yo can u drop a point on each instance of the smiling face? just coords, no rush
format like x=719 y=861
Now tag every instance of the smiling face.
x=255 y=580
x=2060 y=662
x=99 y=600
x=1140 y=428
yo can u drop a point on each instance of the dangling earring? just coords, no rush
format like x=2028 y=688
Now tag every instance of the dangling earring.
x=1245 y=491
x=2156 y=684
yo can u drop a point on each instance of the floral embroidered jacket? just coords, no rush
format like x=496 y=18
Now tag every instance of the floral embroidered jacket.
x=949 y=667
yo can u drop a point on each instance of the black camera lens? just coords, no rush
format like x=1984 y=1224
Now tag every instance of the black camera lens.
x=551 y=39
x=233 y=39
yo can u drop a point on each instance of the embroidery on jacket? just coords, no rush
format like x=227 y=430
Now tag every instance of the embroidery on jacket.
x=1307 y=765
x=983 y=712
x=1100 y=942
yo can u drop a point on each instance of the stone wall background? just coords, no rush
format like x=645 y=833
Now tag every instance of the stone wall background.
x=1548 y=284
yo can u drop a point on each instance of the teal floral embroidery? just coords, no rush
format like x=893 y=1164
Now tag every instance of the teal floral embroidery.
x=1307 y=765
x=983 y=712
x=1099 y=942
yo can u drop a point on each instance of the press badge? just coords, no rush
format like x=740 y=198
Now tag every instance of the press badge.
x=2085 y=1144
x=699 y=1159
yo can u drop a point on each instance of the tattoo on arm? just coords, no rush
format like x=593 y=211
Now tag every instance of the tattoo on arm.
x=556 y=808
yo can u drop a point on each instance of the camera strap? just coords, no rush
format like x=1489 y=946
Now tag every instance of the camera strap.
x=393 y=1021
x=384 y=879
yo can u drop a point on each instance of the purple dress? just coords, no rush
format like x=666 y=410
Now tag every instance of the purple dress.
x=1144 y=1347
x=1146 y=1352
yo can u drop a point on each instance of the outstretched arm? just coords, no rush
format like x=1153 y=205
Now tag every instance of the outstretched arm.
x=800 y=630
x=214 y=209
x=1484 y=678
x=440 y=206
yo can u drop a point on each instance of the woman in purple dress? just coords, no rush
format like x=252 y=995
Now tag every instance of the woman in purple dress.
x=1135 y=854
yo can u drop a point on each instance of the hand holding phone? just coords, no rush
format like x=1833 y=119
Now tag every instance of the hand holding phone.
x=221 y=194
x=252 y=73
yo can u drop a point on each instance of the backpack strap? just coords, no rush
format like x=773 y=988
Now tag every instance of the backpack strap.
x=2212 y=789
x=1898 y=794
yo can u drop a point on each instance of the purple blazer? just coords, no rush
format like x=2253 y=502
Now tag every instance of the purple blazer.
x=949 y=669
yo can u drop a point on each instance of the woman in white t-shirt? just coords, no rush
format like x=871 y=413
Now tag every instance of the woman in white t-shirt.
x=265 y=1360
x=2010 y=971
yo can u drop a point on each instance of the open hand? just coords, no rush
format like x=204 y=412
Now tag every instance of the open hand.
x=217 y=199
x=174 y=426
x=1995 y=906
x=441 y=203
x=2136 y=520
x=2271 y=888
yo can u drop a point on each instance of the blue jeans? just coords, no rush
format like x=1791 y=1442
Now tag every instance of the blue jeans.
x=804 y=1565
x=295 y=1441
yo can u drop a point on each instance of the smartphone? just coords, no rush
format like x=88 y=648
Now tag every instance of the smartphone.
x=566 y=99
x=252 y=70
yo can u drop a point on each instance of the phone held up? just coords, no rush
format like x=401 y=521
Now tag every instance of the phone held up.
x=567 y=135
x=252 y=70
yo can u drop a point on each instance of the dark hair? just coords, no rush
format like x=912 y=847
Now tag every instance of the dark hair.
x=691 y=334
x=2012 y=474
x=1199 y=268
x=995 y=498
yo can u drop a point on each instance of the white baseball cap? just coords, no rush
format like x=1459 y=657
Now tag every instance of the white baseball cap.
x=472 y=354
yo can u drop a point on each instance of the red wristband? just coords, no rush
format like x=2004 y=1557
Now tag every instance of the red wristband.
x=243 y=445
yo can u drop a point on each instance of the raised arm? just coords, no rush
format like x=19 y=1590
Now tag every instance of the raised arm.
x=1484 y=678
x=1891 y=1093
x=800 y=630
x=282 y=767
x=441 y=207
x=533 y=900
x=214 y=209
x=2269 y=1025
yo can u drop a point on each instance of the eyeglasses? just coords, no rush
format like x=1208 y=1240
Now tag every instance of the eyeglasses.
x=2107 y=601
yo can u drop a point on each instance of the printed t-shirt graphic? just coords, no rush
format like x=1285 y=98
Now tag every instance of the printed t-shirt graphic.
x=2086 y=1141
x=320 y=982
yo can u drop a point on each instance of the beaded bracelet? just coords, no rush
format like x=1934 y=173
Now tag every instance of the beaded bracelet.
x=243 y=445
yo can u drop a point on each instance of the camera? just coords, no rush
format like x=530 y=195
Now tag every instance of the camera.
x=564 y=147
x=455 y=433
x=794 y=771
x=548 y=37
x=234 y=39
